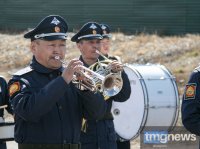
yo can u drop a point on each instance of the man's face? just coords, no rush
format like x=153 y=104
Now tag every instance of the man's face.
x=45 y=52
x=105 y=45
x=88 y=48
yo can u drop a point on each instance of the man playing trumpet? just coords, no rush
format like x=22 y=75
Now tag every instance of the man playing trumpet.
x=48 y=108
x=99 y=133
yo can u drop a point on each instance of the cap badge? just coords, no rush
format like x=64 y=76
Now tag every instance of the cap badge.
x=57 y=29
x=94 y=32
x=93 y=26
x=103 y=27
x=55 y=21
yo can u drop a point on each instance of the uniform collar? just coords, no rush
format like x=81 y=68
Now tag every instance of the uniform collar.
x=84 y=63
x=42 y=69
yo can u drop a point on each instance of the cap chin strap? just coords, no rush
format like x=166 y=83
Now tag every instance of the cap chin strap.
x=86 y=36
x=49 y=34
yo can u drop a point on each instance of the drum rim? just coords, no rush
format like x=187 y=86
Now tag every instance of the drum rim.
x=173 y=80
x=146 y=103
x=145 y=112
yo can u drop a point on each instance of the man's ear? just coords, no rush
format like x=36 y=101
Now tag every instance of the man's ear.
x=79 y=46
x=33 y=46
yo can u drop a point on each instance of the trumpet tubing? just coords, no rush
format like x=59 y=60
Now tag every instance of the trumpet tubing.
x=109 y=85
x=107 y=59
x=84 y=68
x=113 y=82
x=83 y=79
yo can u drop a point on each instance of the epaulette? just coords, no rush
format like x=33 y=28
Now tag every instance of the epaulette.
x=23 y=71
x=197 y=69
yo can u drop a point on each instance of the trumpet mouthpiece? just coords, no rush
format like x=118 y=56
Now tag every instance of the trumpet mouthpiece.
x=57 y=57
x=97 y=51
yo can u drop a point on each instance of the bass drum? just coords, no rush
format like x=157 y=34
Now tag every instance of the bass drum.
x=6 y=131
x=153 y=101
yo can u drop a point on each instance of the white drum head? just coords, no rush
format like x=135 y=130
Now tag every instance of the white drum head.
x=6 y=131
x=128 y=115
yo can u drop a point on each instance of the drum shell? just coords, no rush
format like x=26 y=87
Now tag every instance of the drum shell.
x=154 y=101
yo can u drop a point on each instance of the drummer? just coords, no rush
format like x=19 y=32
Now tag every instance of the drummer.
x=4 y=102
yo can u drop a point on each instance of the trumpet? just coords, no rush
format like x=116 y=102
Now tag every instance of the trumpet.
x=90 y=80
x=108 y=61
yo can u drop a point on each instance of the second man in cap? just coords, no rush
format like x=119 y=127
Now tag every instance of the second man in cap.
x=99 y=133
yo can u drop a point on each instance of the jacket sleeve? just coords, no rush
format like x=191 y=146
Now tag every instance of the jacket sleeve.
x=125 y=92
x=191 y=104
x=31 y=105
x=93 y=104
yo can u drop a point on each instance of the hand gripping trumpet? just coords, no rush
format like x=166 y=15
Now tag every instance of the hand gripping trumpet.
x=90 y=80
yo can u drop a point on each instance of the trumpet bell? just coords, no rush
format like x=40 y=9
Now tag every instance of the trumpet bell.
x=112 y=85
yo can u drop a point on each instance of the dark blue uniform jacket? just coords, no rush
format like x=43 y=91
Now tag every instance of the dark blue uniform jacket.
x=47 y=109
x=100 y=133
x=191 y=103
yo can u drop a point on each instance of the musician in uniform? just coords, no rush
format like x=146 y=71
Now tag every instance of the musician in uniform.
x=106 y=42
x=4 y=102
x=191 y=103
x=99 y=133
x=105 y=48
x=48 y=108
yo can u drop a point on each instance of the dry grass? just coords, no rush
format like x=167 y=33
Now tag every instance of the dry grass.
x=179 y=54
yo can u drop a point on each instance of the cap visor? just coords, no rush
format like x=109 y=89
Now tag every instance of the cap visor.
x=29 y=34
x=93 y=37
x=50 y=38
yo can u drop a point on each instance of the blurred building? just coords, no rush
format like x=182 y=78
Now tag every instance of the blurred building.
x=165 y=17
